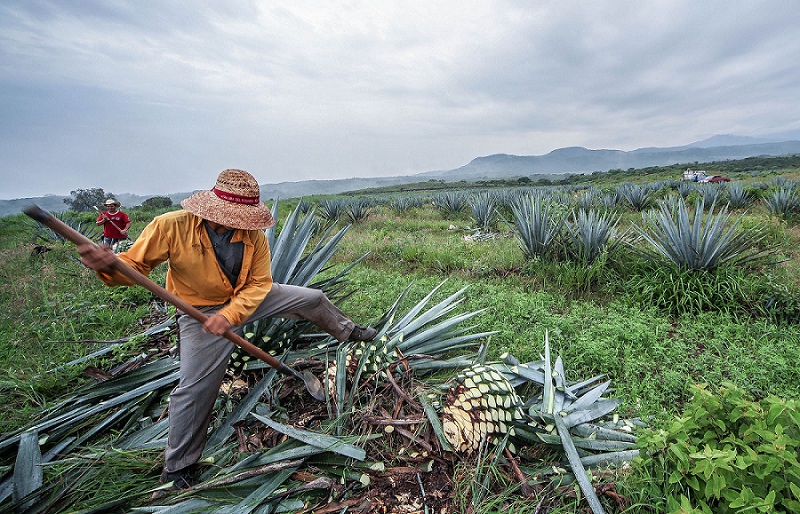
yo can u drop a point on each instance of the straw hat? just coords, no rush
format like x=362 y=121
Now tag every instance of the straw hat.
x=111 y=201
x=234 y=201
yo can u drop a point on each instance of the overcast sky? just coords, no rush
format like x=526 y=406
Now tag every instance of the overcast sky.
x=157 y=97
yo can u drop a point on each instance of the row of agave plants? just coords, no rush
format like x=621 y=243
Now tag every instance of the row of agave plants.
x=690 y=233
x=781 y=197
x=407 y=408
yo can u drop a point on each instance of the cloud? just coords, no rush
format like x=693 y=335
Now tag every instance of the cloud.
x=155 y=97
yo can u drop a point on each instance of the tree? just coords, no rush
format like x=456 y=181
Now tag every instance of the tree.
x=86 y=199
x=157 y=202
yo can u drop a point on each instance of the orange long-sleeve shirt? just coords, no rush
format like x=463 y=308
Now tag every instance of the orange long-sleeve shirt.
x=194 y=274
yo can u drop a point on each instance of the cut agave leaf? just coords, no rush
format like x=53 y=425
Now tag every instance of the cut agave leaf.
x=325 y=442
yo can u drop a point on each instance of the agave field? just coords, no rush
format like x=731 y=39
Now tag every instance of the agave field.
x=624 y=343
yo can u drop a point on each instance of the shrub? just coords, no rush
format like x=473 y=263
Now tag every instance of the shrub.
x=727 y=453
x=157 y=202
x=680 y=292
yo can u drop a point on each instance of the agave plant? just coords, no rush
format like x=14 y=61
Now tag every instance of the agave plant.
x=332 y=210
x=686 y=187
x=783 y=202
x=402 y=204
x=712 y=193
x=698 y=241
x=450 y=202
x=636 y=195
x=88 y=229
x=358 y=210
x=739 y=197
x=590 y=233
x=483 y=207
x=588 y=199
x=538 y=226
x=609 y=200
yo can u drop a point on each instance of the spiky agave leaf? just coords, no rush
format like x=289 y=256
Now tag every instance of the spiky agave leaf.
x=421 y=337
x=481 y=406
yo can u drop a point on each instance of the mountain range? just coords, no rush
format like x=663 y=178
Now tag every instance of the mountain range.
x=500 y=166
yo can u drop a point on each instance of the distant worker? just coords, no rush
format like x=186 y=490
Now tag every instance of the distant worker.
x=115 y=222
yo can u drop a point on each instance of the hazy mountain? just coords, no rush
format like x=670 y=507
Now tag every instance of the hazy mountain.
x=500 y=166
x=583 y=160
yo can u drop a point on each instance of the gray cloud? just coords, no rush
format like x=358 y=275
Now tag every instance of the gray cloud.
x=155 y=97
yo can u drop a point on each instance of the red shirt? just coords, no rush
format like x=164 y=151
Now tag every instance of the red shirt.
x=119 y=218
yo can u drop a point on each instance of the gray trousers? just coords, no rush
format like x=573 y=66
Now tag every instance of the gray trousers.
x=204 y=359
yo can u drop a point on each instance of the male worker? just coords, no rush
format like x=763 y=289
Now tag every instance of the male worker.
x=219 y=261
x=115 y=222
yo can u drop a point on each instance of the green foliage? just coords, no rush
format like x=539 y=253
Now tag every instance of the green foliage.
x=83 y=200
x=680 y=291
x=727 y=453
x=157 y=202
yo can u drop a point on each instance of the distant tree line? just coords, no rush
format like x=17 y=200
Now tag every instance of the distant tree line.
x=83 y=200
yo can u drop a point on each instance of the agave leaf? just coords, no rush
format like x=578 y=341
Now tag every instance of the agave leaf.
x=528 y=373
x=190 y=506
x=439 y=310
x=609 y=459
x=585 y=443
x=588 y=430
x=560 y=385
x=325 y=442
x=411 y=314
x=575 y=389
x=594 y=411
x=548 y=397
x=577 y=467
x=28 y=468
x=290 y=449
x=435 y=422
x=242 y=409
x=260 y=495
x=588 y=398
x=341 y=384
x=413 y=340
x=152 y=436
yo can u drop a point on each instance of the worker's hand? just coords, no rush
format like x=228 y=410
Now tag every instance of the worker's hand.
x=216 y=324
x=99 y=258
x=124 y=233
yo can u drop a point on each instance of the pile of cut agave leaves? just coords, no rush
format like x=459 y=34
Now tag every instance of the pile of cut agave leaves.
x=421 y=396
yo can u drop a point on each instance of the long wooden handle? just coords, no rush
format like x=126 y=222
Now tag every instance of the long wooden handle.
x=58 y=226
